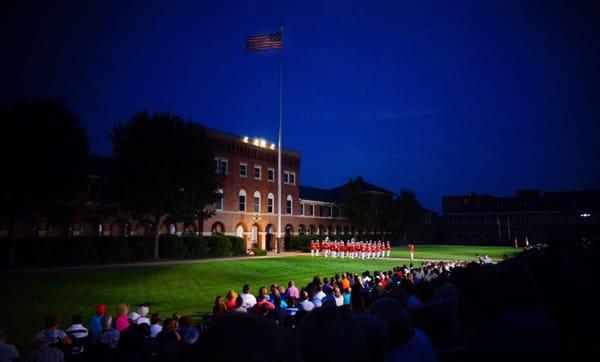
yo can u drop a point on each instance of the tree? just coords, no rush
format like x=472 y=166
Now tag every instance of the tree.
x=166 y=167
x=44 y=153
x=364 y=210
x=409 y=214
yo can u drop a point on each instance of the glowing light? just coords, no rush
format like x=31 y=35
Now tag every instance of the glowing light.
x=586 y=215
x=272 y=146
x=245 y=140
x=256 y=142
x=263 y=143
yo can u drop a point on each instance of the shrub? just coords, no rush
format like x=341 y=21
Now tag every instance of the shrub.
x=237 y=245
x=219 y=246
x=140 y=247
x=171 y=246
x=113 y=248
x=81 y=250
x=260 y=252
x=195 y=246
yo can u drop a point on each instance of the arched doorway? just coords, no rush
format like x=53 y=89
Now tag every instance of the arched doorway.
x=239 y=231
x=254 y=236
x=217 y=229
x=269 y=237
x=301 y=229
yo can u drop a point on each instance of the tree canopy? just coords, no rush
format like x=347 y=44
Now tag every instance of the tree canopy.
x=166 y=167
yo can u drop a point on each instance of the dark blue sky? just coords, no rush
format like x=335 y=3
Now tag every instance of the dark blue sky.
x=441 y=97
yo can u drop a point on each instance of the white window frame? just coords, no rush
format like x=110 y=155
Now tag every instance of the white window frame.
x=291 y=201
x=286 y=177
x=245 y=164
x=292 y=175
x=312 y=210
x=220 y=201
x=268 y=171
x=220 y=161
x=259 y=167
x=240 y=194
x=254 y=204
x=271 y=198
x=226 y=165
x=302 y=208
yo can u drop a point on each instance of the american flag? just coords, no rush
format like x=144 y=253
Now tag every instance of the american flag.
x=264 y=42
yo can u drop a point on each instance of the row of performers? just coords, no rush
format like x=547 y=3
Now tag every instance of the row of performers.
x=350 y=249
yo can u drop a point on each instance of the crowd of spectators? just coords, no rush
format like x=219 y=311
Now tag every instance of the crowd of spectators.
x=539 y=305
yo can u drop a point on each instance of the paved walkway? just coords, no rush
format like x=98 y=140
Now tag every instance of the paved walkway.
x=269 y=255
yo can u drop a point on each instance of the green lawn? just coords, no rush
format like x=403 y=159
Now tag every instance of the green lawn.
x=189 y=289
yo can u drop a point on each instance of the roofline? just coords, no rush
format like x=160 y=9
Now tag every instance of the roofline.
x=236 y=138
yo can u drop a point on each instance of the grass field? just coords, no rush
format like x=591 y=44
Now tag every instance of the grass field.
x=188 y=288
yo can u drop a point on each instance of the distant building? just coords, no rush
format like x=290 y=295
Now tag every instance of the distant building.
x=551 y=216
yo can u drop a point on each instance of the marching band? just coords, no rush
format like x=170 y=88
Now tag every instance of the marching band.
x=350 y=249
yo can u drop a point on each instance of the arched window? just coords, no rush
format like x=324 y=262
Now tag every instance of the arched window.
x=256 y=201
x=242 y=205
x=289 y=205
x=270 y=203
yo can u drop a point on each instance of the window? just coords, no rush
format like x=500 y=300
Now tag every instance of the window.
x=218 y=205
x=243 y=169
x=336 y=211
x=311 y=210
x=271 y=175
x=270 y=199
x=289 y=205
x=242 y=200
x=221 y=165
x=292 y=178
x=256 y=201
x=257 y=170
x=286 y=177
x=301 y=209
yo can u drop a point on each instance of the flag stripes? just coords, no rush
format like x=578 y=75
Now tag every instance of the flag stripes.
x=264 y=42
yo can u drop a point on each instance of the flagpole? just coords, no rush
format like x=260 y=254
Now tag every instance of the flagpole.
x=279 y=242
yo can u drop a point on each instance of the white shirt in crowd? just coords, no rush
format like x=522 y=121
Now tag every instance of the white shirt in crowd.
x=319 y=295
x=143 y=320
x=249 y=300
x=306 y=305
x=77 y=331
x=155 y=329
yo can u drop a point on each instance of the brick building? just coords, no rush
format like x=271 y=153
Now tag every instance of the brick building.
x=247 y=209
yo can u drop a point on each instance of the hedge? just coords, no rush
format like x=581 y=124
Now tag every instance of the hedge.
x=78 y=250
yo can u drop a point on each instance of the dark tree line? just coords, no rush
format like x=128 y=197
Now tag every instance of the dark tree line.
x=402 y=215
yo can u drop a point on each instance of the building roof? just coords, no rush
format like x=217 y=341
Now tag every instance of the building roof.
x=318 y=194
x=336 y=194
x=366 y=187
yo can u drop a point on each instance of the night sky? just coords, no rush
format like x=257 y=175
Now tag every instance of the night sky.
x=441 y=97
